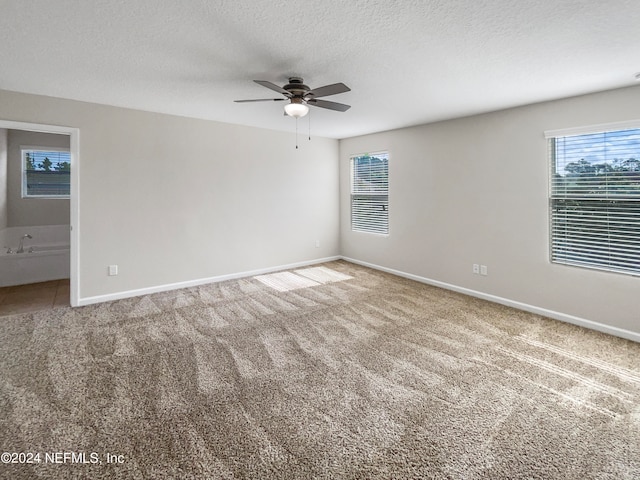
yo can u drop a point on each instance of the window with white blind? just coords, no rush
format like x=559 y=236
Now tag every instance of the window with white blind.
x=370 y=193
x=595 y=198
x=46 y=172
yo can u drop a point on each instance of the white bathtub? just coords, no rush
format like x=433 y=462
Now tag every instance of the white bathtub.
x=46 y=255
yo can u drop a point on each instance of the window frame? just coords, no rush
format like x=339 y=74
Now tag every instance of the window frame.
x=23 y=172
x=580 y=211
x=353 y=195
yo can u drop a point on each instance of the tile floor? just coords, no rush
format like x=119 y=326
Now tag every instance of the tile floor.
x=34 y=297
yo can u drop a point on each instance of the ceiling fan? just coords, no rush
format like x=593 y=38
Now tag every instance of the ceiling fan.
x=300 y=96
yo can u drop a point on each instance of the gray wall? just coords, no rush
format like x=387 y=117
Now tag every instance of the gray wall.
x=172 y=199
x=475 y=190
x=32 y=211
x=3 y=179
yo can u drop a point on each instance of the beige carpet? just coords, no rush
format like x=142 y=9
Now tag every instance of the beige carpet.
x=335 y=372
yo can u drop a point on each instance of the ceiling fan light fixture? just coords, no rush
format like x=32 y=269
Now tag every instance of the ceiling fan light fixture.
x=296 y=109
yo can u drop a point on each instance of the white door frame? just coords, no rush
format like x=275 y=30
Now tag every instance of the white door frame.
x=74 y=149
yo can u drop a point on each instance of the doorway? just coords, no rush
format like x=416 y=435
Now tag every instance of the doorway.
x=57 y=291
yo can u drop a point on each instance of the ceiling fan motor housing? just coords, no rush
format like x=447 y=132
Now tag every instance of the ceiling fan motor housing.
x=296 y=87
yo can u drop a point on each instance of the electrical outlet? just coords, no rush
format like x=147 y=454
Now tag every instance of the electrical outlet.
x=113 y=270
x=317 y=243
x=476 y=268
x=483 y=270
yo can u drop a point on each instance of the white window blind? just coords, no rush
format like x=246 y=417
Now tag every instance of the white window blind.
x=595 y=200
x=370 y=193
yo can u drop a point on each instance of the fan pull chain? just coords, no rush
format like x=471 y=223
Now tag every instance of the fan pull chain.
x=296 y=133
x=309 y=125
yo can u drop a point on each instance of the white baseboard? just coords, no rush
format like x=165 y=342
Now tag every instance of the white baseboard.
x=563 y=317
x=194 y=283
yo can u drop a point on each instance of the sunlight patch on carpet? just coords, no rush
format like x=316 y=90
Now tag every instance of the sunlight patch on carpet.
x=323 y=275
x=303 y=278
x=285 y=281
x=583 y=380
x=622 y=373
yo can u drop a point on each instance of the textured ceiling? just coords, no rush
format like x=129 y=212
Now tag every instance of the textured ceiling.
x=407 y=62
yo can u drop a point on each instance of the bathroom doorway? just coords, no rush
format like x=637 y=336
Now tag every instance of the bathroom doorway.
x=38 y=216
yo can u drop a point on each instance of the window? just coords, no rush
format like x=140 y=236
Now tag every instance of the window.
x=46 y=172
x=595 y=199
x=370 y=193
